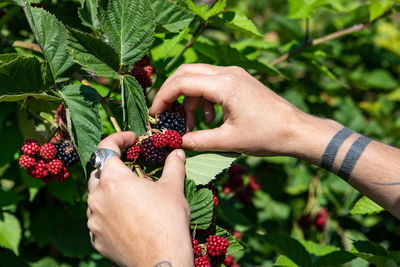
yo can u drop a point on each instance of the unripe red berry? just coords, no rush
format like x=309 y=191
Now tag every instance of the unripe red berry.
x=196 y=248
x=39 y=171
x=26 y=162
x=144 y=61
x=216 y=245
x=62 y=175
x=215 y=200
x=30 y=147
x=48 y=151
x=159 y=140
x=202 y=261
x=133 y=152
x=253 y=183
x=320 y=220
x=54 y=166
x=174 y=139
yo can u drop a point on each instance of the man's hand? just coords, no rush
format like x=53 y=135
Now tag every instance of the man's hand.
x=256 y=120
x=137 y=222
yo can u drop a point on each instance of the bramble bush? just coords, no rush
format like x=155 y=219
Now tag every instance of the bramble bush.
x=73 y=72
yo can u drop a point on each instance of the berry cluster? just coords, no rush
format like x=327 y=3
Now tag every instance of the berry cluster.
x=49 y=161
x=142 y=72
x=155 y=146
x=235 y=183
x=318 y=220
x=212 y=253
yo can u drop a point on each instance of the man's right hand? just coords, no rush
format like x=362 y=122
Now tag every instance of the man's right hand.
x=256 y=120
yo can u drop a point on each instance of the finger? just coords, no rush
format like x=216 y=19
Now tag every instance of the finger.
x=218 y=139
x=118 y=141
x=208 y=110
x=88 y=212
x=190 y=105
x=195 y=85
x=198 y=68
x=93 y=181
x=174 y=170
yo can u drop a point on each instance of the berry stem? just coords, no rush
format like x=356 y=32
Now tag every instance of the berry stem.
x=151 y=119
x=153 y=172
x=139 y=171
x=103 y=102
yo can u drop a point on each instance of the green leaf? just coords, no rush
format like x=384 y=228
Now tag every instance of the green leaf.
x=301 y=9
x=129 y=26
x=9 y=198
x=378 y=8
x=234 y=245
x=204 y=167
x=166 y=48
x=51 y=36
x=44 y=222
x=366 y=206
x=284 y=261
x=201 y=205
x=93 y=54
x=171 y=16
x=291 y=248
x=133 y=106
x=381 y=79
x=370 y=248
x=10 y=232
x=66 y=191
x=217 y=8
x=336 y=258
x=15 y=98
x=22 y=75
x=82 y=108
x=6 y=58
x=200 y=10
x=88 y=14
x=236 y=21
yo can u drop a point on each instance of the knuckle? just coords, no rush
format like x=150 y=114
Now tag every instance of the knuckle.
x=183 y=68
x=92 y=226
x=179 y=80
x=230 y=79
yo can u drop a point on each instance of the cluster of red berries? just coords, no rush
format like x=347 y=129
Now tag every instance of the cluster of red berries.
x=142 y=72
x=318 y=220
x=212 y=253
x=41 y=161
x=235 y=183
x=155 y=148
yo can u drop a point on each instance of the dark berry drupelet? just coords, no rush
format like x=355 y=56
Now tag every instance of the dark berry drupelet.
x=171 y=121
x=151 y=154
x=67 y=153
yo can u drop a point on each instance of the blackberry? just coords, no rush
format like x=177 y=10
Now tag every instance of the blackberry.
x=143 y=62
x=171 y=121
x=54 y=166
x=159 y=140
x=151 y=154
x=174 y=139
x=67 y=153
x=142 y=76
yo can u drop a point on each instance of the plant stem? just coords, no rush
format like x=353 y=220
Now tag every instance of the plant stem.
x=199 y=30
x=338 y=34
x=103 y=102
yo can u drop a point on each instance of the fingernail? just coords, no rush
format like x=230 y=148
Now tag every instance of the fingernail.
x=181 y=154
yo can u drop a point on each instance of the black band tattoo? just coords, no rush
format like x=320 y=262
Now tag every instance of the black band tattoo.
x=331 y=150
x=163 y=264
x=352 y=156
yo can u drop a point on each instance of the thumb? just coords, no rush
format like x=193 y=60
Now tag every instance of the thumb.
x=217 y=139
x=174 y=170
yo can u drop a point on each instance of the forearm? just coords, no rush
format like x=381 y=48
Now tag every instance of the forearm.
x=375 y=173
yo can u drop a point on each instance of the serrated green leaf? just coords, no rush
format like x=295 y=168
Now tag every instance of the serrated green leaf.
x=93 y=54
x=234 y=245
x=6 y=58
x=21 y=75
x=203 y=168
x=51 y=36
x=291 y=248
x=171 y=16
x=217 y=8
x=201 y=205
x=15 y=98
x=166 y=48
x=366 y=206
x=10 y=232
x=200 y=10
x=204 y=12
x=133 y=106
x=82 y=108
x=88 y=14
x=236 y=21
x=284 y=262
x=129 y=26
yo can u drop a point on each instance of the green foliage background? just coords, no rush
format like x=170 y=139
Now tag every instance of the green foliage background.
x=353 y=79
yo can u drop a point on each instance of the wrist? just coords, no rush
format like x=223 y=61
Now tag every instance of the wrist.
x=311 y=135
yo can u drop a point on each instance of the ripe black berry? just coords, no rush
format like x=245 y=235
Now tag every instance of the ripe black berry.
x=151 y=154
x=171 y=121
x=67 y=153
